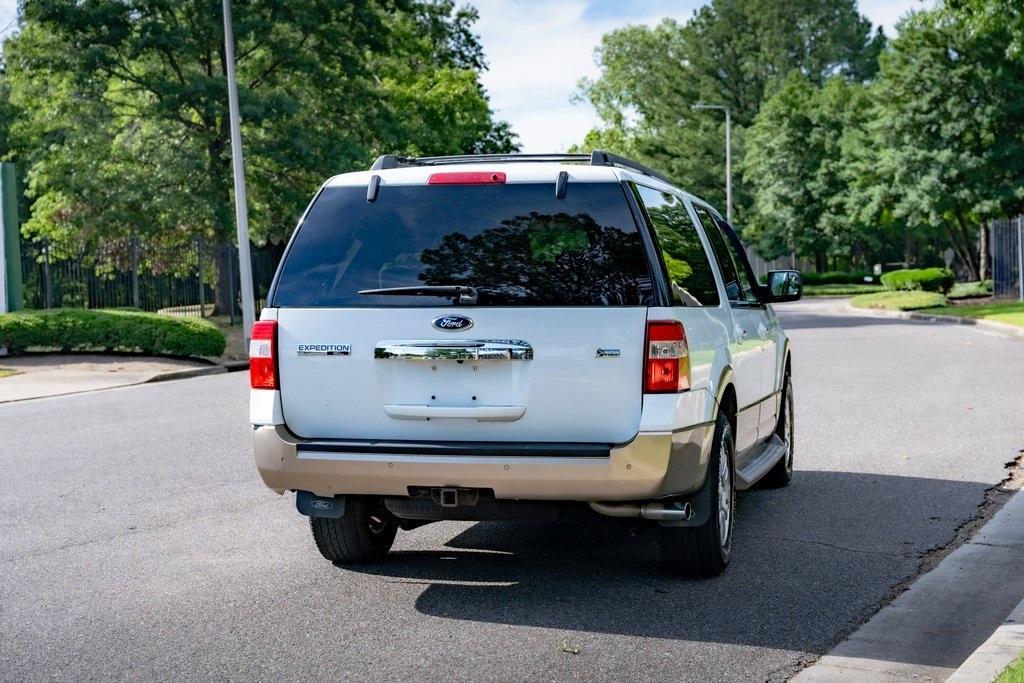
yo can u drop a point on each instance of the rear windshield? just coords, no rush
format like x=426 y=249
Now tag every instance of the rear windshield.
x=517 y=244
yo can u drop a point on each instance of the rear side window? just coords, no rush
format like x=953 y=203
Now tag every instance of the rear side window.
x=517 y=244
x=737 y=284
x=688 y=269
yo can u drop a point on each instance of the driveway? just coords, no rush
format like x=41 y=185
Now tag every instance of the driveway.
x=138 y=541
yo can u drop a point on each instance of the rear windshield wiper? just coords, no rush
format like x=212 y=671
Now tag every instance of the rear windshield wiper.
x=462 y=293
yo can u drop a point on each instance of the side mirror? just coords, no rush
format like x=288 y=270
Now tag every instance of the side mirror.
x=783 y=285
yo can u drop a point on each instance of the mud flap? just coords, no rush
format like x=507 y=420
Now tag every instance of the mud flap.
x=700 y=503
x=316 y=506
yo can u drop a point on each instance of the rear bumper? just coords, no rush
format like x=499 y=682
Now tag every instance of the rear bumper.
x=653 y=465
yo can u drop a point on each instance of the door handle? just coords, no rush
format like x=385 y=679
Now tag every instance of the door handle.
x=741 y=333
x=763 y=331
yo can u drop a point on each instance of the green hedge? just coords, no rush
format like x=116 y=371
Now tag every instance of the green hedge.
x=925 y=279
x=109 y=330
x=839 y=277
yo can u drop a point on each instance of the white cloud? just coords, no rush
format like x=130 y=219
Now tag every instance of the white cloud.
x=538 y=51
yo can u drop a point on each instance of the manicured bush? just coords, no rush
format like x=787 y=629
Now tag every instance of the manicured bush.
x=109 y=330
x=839 y=277
x=899 y=301
x=925 y=279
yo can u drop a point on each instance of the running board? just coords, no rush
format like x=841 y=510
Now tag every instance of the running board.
x=772 y=451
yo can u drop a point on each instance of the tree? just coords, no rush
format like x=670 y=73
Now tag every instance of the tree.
x=122 y=108
x=948 y=130
x=796 y=173
x=984 y=16
x=733 y=52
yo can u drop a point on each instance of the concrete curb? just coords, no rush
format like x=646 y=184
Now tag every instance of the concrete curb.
x=1002 y=329
x=996 y=653
x=185 y=374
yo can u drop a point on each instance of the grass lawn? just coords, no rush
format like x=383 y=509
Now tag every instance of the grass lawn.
x=1014 y=673
x=971 y=290
x=1010 y=312
x=841 y=290
x=899 y=300
x=7 y=372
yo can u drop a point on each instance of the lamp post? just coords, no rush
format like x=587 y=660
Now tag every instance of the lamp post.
x=728 y=154
x=241 y=210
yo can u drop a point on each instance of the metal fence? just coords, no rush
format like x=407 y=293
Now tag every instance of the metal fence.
x=177 y=280
x=1007 y=245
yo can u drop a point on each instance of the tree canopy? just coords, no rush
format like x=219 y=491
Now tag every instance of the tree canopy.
x=120 y=107
x=846 y=146
x=732 y=52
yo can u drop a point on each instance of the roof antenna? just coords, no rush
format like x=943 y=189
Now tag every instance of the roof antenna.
x=371 y=189
x=561 y=184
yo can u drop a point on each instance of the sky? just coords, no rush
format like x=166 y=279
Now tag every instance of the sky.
x=539 y=49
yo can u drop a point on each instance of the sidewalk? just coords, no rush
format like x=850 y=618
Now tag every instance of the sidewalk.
x=38 y=376
x=934 y=628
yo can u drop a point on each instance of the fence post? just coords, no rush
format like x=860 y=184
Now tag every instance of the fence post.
x=231 y=281
x=135 y=271
x=47 y=293
x=1020 y=256
x=11 y=294
x=199 y=270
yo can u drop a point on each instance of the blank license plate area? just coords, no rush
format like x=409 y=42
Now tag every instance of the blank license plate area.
x=452 y=383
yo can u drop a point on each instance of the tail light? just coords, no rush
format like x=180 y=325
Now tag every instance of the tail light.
x=467 y=178
x=263 y=355
x=667 y=366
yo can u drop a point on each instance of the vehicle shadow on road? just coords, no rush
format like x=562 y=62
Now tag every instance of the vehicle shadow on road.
x=809 y=562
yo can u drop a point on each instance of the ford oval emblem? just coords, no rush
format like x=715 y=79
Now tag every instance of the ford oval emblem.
x=453 y=323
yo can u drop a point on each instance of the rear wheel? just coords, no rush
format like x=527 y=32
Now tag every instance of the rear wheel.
x=363 y=534
x=704 y=550
x=780 y=475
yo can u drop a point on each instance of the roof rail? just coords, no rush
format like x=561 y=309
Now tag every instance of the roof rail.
x=596 y=158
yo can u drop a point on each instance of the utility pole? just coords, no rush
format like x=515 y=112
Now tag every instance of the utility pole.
x=728 y=155
x=241 y=210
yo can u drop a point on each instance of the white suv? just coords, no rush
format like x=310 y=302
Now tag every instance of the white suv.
x=505 y=337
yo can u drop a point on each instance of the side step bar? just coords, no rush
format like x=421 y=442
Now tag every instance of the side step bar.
x=772 y=451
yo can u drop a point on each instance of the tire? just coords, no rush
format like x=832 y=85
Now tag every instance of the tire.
x=704 y=551
x=364 y=533
x=779 y=475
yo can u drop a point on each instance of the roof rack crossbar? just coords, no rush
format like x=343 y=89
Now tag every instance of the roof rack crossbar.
x=595 y=158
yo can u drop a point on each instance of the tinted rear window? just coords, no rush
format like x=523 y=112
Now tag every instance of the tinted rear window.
x=517 y=244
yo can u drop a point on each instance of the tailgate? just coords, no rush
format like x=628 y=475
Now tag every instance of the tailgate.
x=544 y=374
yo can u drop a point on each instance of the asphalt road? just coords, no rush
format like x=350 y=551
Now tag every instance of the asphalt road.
x=136 y=540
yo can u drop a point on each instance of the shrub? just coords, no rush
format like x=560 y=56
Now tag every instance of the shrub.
x=839 y=277
x=109 y=330
x=926 y=279
x=971 y=290
x=899 y=301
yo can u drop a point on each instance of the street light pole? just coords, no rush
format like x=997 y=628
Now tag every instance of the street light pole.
x=728 y=154
x=241 y=210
